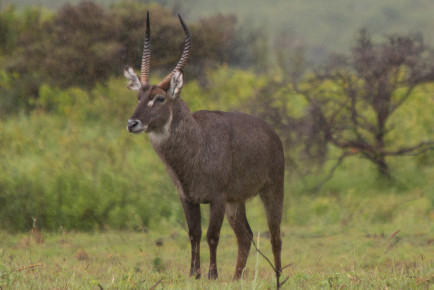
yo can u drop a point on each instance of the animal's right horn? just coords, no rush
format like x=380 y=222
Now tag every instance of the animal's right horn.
x=144 y=71
x=165 y=83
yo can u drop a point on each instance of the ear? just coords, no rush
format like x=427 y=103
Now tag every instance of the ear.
x=176 y=84
x=134 y=83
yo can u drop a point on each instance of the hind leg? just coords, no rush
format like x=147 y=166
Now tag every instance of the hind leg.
x=236 y=215
x=272 y=198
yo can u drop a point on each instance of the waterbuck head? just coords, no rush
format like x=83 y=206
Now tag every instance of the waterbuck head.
x=153 y=114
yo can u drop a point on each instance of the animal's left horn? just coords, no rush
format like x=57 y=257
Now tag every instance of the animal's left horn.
x=165 y=83
x=144 y=71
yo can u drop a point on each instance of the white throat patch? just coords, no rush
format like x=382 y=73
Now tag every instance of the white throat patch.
x=158 y=137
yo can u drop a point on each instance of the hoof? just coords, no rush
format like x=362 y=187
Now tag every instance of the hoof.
x=195 y=274
x=212 y=274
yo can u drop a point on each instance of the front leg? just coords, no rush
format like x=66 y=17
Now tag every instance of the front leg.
x=217 y=213
x=192 y=214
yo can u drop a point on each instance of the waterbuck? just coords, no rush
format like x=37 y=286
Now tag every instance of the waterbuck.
x=213 y=157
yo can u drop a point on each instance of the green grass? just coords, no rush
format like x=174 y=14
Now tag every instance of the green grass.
x=360 y=251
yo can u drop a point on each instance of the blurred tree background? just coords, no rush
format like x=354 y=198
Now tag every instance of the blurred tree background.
x=354 y=113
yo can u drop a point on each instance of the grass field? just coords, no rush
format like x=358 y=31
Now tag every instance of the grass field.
x=345 y=253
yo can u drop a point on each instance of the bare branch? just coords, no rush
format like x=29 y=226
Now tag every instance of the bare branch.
x=341 y=158
x=360 y=145
x=277 y=272
x=402 y=100
x=262 y=254
x=155 y=285
x=420 y=148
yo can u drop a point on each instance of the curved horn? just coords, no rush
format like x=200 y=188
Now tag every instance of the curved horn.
x=165 y=83
x=144 y=71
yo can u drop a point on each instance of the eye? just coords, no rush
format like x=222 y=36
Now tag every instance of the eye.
x=160 y=99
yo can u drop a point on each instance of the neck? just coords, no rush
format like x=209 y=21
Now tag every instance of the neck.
x=179 y=144
x=160 y=137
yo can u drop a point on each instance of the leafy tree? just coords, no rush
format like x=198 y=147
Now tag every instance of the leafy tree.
x=87 y=44
x=83 y=47
x=19 y=56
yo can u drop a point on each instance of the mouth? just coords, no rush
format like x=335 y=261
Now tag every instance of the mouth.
x=137 y=131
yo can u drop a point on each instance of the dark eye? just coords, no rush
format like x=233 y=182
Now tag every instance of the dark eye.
x=160 y=99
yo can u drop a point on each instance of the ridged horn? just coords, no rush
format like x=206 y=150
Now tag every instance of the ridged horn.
x=165 y=83
x=144 y=71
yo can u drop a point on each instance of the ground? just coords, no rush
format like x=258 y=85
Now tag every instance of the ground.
x=346 y=254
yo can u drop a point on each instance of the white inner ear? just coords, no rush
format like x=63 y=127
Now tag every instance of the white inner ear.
x=176 y=84
x=134 y=83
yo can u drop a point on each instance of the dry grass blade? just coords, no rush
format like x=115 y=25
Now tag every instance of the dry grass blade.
x=394 y=234
x=388 y=247
x=29 y=267
x=389 y=242
x=426 y=280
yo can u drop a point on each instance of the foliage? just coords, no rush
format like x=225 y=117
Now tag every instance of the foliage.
x=18 y=31
x=45 y=177
x=319 y=26
x=350 y=103
x=375 y=81
x=85 y=45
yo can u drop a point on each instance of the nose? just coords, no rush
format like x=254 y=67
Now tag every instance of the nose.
x=132 y=123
